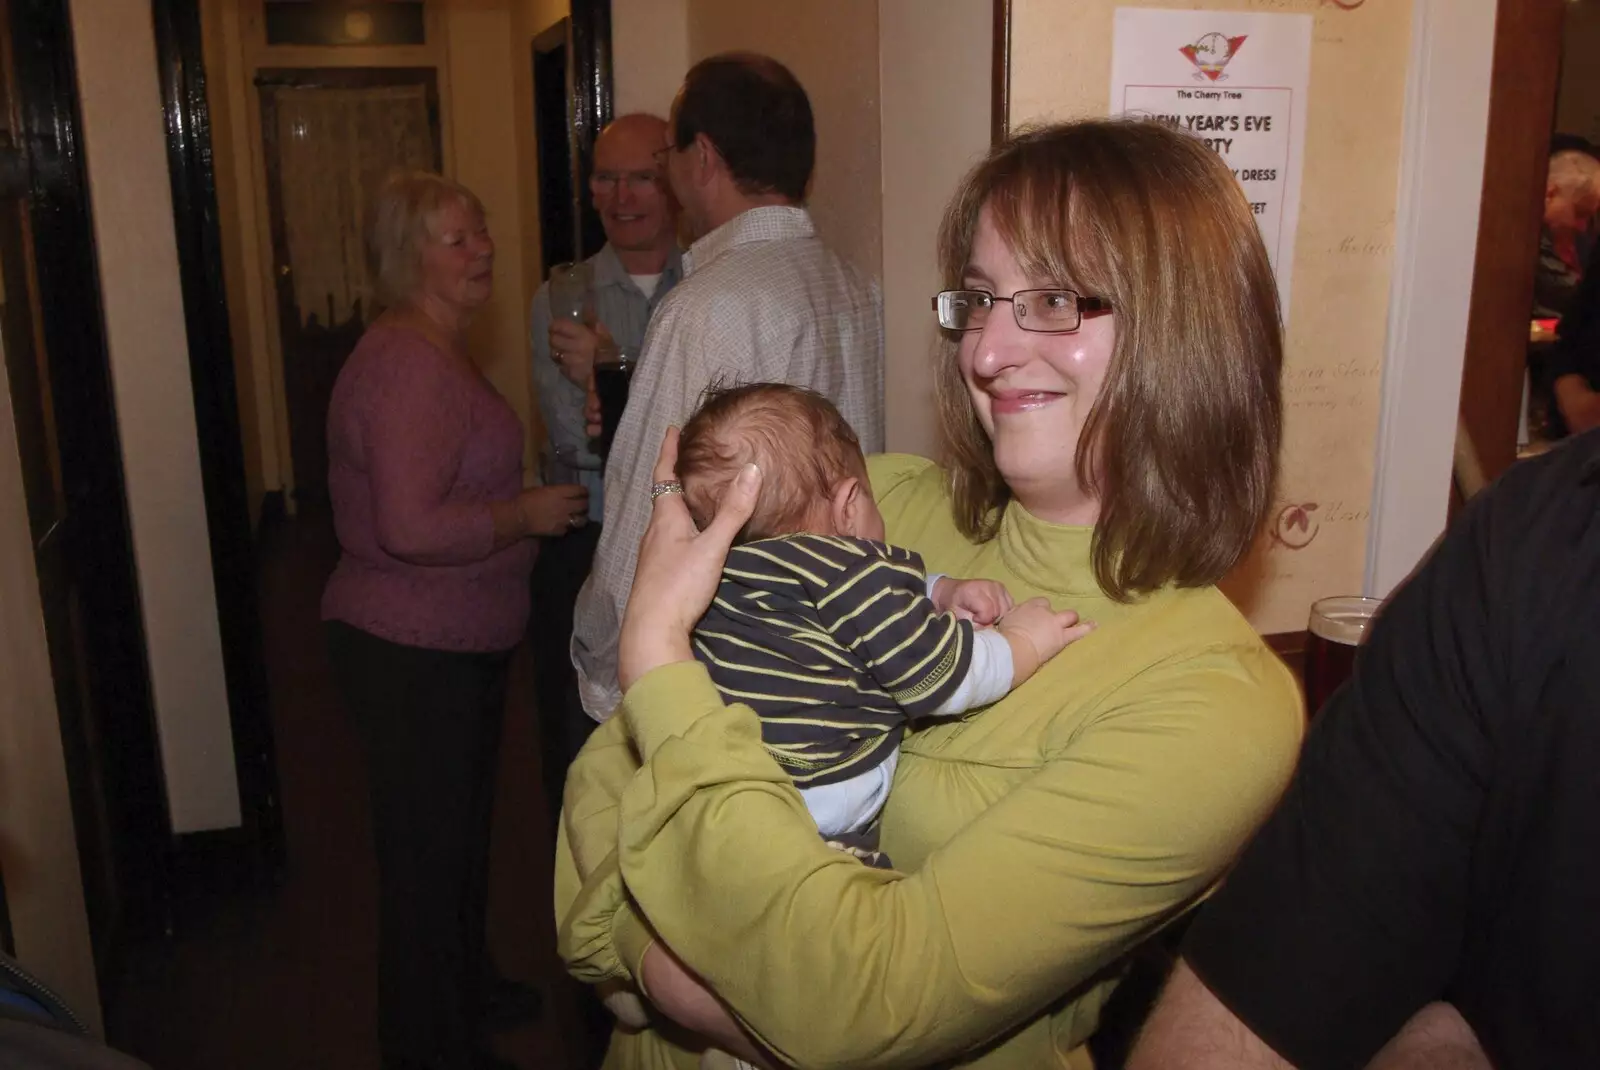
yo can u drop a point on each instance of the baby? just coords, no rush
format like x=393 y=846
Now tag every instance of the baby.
x=835 y=638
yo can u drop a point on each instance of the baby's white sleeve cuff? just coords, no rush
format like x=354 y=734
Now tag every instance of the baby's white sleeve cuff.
x=988 y=677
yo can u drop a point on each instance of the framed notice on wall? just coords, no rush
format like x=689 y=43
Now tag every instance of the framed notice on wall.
x=1237 y=80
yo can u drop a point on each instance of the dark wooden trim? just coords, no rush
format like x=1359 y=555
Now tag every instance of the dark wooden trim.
x=72 y=327
x=1000 y=78
x=181 y=67
x=219 y=861
x=589 y=65
x=392 y=25
x=552 y=37
x=273 y=510
x=1522 y=95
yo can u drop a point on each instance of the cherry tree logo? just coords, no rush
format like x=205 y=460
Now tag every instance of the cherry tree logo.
x=1212 y=54
x=1295 y=526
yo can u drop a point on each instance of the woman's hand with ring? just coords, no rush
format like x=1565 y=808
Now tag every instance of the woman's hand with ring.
x=679 y=569
x=554 y=510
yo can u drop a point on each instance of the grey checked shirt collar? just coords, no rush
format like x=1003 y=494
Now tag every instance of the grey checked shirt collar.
x=769 y=223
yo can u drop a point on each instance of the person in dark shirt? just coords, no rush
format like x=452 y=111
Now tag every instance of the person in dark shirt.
x=1430 y=883
x=1572 y=366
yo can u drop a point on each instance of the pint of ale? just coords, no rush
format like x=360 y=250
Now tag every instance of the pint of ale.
x=612 y=374
x=1337 y=627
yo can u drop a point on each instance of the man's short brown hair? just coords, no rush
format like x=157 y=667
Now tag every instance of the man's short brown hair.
x=1181 y=445
x=757 y=114
x=796 y=436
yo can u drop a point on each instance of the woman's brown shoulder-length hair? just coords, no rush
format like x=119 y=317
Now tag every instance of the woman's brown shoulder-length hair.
x=1181 y=446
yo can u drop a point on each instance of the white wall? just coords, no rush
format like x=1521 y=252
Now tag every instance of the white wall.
x=902 y=105
x=1441 y=182
x=487 y=156
x=131 y=199
x=832 y=48
x=934 y=82
x=649 y=53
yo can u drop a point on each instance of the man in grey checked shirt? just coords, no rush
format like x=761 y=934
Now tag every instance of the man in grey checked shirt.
x=632 y=273
x=761 y=300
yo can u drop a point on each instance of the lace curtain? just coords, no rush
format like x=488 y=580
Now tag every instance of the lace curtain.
x=334 y=147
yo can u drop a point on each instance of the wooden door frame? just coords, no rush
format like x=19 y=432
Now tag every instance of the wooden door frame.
x=72 y=326
x=1527 y=64
x=586 y=36
x=589 y=103
x=181 y=68
x=1442 y=193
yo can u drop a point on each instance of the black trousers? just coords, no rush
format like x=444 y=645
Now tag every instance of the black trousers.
x=558 y=574
x=430 y=725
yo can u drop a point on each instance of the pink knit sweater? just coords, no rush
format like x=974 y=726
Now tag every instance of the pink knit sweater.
x=418 y=446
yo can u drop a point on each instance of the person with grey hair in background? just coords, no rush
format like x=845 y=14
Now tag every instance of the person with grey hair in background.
x=428 y=599
x=1571 y=201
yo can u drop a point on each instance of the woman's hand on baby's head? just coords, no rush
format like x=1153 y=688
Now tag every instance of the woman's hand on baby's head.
x=980 y=601
x=679 y=568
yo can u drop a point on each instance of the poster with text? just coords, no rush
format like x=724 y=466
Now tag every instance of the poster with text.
x=1237 y=80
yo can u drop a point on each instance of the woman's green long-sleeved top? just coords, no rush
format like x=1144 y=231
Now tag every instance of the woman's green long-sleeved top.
x=1041 y=839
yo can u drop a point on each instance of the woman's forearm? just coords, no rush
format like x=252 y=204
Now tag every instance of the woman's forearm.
x=1026 y=903
x=674 y=990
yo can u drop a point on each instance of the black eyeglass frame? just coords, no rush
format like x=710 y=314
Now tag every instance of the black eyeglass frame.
x=1088 y=308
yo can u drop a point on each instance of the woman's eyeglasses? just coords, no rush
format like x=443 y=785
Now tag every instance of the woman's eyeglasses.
x=1040 y=311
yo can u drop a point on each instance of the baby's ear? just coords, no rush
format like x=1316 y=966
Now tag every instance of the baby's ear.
x=844 y=505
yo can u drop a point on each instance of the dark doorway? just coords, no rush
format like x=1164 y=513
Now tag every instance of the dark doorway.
x=571 y=103
x=557 y=233
x=60 y=380
x=329 y=138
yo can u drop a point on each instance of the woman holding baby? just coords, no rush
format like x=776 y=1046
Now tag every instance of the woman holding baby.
x=1108 y=386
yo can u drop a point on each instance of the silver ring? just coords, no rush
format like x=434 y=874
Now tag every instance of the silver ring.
x=671 y=486
x=556 y=355
x=574 y=520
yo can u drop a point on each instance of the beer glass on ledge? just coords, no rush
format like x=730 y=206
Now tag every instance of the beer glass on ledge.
x=1337 y=627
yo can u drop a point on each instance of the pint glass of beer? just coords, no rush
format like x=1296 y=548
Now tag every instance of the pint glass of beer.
x=1337 y=627
x=612 y=373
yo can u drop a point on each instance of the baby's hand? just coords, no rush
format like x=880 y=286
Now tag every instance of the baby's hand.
x=1044 y=631
x=980 y=601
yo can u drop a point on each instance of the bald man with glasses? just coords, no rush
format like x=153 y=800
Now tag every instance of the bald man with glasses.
x=639 y=264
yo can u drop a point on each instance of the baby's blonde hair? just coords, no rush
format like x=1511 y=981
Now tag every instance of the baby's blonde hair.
x=796 y=436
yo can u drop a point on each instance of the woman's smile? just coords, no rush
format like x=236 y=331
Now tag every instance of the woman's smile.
x=1006 y=401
